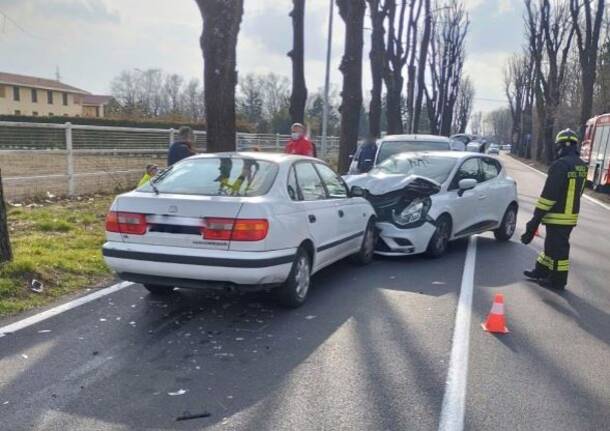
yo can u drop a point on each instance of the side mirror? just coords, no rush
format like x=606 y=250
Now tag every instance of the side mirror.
x=356 y=192
x=466 y=184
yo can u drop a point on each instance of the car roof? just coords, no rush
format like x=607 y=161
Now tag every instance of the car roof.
x=259 y=155
x=447 y=154
x=427 y=138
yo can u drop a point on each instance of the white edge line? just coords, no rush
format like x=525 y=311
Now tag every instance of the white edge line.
x=454 y=399
x=589 y=198
x=32 y=320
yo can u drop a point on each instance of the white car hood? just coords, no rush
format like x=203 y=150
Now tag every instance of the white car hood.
x=380 y=183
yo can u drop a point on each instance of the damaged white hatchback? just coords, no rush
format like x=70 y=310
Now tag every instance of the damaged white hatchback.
x=424 y=200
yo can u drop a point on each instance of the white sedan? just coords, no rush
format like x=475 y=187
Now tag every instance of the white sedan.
x=424 y=200
x=238 y=220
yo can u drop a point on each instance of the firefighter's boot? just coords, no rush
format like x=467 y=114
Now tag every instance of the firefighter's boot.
x=534 y=274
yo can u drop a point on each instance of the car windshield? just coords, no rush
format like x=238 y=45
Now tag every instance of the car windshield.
x=217 y=176
x=436 y=168
x=389 y=148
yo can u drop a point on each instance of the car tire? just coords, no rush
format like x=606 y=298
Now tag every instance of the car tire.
x=293 y=292
x=157 y=289
x=440 y=239
x=508 y=226
x=367 y=247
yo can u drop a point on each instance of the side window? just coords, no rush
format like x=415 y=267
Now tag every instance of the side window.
x=309 y=182
x=293 y=188
x=469 y=169
x=335 y=186
x=491 y=169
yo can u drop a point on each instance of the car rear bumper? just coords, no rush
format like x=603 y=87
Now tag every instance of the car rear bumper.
x=198 y=268
x=395 y=242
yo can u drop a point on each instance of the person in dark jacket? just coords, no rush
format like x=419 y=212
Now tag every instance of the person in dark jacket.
x=182 y=146
x=366 y=158
x=557 y=208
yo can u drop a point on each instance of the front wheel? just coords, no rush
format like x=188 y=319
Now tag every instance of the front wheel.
x=508 y=226
x=293 y=292
x=440 y=239
x=367 y=248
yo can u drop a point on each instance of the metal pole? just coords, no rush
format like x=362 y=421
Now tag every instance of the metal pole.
x=70 y=157
x=327 y=80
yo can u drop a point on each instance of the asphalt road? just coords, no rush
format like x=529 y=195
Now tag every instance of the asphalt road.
x=369 y=351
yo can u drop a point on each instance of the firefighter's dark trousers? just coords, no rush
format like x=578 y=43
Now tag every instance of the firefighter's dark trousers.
x=554 y=262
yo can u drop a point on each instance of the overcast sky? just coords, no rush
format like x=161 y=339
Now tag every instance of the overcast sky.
x=91 y=41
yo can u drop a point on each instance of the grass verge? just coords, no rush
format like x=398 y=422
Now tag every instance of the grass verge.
x=57 y=243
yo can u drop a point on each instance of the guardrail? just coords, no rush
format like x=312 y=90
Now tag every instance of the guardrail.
x=41 y=159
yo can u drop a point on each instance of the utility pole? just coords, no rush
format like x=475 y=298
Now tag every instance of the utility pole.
x=327 y=80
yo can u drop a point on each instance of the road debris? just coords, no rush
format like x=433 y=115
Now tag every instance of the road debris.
x=102 y=320
x=188 y=416
x=177 y=393
x=311 y=316
x=24 y=356
x=44 y=331
x=36 y=286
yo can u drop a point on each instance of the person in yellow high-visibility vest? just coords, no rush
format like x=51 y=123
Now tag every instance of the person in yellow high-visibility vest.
x=557 y=208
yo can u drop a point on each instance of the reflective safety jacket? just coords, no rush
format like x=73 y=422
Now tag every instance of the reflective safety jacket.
x=559 y=203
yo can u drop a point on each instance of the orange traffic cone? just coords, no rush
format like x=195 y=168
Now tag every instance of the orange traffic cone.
x=495 y=320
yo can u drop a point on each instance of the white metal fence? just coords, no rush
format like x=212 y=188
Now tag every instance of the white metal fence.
x=41 y=159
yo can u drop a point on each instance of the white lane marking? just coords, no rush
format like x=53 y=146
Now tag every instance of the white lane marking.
x=587 y=197
x=32 y=320
x=454 y=399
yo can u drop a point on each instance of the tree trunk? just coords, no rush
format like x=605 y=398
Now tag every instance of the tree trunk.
x=5 y=244
x=421 y=67
x=298 y=98
x=221 y=21
x=352 y=13
x=377 y=59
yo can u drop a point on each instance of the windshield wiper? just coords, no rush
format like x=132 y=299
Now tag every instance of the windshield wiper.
x=158 y=178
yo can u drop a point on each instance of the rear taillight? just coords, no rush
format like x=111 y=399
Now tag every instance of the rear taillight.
x=130 y=223
x=228 y=229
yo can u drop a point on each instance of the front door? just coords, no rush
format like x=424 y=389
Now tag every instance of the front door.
x=469 y=204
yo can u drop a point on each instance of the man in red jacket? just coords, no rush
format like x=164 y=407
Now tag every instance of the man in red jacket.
x=298 y=143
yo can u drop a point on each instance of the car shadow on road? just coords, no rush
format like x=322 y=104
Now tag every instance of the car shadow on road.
x=235 y=355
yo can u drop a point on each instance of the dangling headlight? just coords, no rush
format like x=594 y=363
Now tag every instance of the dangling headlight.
x=412 y=213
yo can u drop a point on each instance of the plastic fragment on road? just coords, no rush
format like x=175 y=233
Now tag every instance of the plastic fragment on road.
x=36 y=286
x=44 y=331
x=177 y=393
x=102 y=320
x=311 y=316
x=24 y=356
x=188 y=416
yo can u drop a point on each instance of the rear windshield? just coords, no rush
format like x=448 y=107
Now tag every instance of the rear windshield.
x=222 y=176
x=389 y=148
x=434 y=167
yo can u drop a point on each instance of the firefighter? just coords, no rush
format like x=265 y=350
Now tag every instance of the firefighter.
x=557 y=208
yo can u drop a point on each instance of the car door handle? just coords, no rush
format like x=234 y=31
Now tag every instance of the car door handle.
x=312 y=218
x=341 y=213
x=481 y=197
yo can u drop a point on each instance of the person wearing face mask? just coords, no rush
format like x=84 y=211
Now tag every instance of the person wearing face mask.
x=299 y=144
x=557 y=208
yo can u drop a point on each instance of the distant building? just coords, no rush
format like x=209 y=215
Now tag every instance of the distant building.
x=28 y=95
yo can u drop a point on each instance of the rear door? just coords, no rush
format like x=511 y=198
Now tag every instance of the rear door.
x=321 y=212
x=498 y=192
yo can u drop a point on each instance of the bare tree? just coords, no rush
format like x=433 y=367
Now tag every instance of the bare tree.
x=476 y=123
x=421 y=66
x=192 y=101
x=446 y=61
x=379 y=11
x=550 y=35
x=587 y=43
x=352 y=13
x=412 y=35
x=172 y=92
x=299 y=90
x=518 y=90
x=5 y=244
x=393 y=66
x=463 y=106
x=221 y=22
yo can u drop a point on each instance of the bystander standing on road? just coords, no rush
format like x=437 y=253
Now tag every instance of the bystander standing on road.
x=299 y=144
x=151 y=171
x=366 y=158
x=183 y=147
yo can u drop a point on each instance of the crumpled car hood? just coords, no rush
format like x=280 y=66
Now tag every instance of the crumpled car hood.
x=379 y=184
